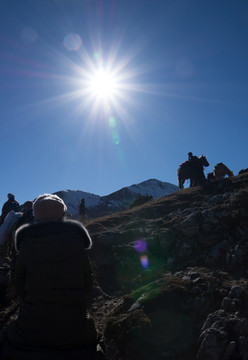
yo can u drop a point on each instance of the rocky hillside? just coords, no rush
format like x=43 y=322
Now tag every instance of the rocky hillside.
x=171 y=276
x=178 y=267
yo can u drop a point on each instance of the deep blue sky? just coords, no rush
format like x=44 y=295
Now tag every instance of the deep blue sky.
x=184 y=78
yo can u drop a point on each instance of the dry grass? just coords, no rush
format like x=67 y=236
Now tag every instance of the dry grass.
x=174 y=203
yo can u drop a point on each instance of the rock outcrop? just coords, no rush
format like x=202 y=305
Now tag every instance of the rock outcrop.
x=171 y=276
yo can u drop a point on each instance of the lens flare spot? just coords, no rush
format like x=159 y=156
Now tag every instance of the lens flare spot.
x=116 y=138
x=28 y=35
x=72 y=42
x=140 y=246
x=144 y=261
x=112 y=122
x=96 y=55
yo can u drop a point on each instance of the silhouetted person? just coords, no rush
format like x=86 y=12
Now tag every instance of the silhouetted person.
x=82 y=210
x=192 y=157
x=53 y=280
x=27 y=214
x=192 y=161
x=9 y=205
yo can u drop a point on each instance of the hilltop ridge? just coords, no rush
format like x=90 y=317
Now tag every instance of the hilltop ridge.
x=117 y=201
x=171 y=276
x=198 y=216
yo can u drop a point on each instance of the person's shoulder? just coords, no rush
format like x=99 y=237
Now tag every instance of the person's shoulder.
x=73 y=225
x=36 y=229
x=20 y=233
x=77 y=228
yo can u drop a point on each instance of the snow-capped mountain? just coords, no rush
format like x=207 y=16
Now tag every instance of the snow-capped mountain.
x=119 y=200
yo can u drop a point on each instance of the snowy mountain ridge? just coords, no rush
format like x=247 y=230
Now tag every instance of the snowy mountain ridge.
x=117 y=201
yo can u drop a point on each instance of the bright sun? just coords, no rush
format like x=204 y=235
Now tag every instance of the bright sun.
x=103 y=84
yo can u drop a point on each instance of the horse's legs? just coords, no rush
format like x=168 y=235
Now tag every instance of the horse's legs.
x=180 y=184
x=193 y=181
x=201 y=179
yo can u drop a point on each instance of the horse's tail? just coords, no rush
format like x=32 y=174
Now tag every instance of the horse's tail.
x=179 y=178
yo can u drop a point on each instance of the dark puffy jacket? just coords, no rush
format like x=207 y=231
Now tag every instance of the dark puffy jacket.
x=53 y=278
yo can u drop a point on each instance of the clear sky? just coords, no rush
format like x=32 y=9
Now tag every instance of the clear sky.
x=97 y=95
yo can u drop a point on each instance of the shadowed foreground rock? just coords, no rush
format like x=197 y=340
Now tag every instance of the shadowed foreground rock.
x=163 y=319
x=171 y=276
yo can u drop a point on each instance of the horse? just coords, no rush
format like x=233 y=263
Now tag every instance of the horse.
x=221 y=170
x=243 y=171
x=192 y=170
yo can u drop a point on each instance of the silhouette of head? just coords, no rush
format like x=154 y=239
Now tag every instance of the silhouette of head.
x=28 y=205
x=49 y=207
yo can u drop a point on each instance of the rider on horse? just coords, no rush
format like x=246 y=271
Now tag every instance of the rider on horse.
x=192 y=157
x=192 y=169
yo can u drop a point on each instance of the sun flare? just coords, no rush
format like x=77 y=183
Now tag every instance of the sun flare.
x=106 y=86
x=103 y=84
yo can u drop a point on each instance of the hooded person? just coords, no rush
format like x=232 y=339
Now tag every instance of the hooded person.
x=53 y=279
x=10 y=204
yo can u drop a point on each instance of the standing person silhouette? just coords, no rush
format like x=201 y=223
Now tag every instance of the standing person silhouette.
x=52 y=281
x=82 y=210
x=10 y=204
